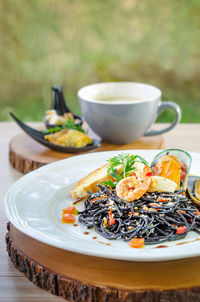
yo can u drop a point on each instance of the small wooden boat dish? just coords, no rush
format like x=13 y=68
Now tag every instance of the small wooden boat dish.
x=39 y=137
x=59 y=105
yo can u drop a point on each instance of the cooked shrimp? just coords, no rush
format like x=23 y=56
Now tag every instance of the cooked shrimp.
x=131 y=188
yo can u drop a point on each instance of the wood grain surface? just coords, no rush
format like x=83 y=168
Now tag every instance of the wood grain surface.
x=84 y=278
x=13 y=285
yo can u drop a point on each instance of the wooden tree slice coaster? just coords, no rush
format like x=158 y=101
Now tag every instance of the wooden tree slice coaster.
x=84 y=278
x=26 y=155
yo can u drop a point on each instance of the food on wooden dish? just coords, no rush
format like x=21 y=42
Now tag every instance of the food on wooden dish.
x=52 y=118
x=39 y=136
x=71 y=138
x=64 y=127
x=69 y=134
x=125 y=200
x=59 y=112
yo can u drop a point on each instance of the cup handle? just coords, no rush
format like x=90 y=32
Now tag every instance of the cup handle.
x=162 y=106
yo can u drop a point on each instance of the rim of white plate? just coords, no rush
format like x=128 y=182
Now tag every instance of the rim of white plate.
x=172 y=253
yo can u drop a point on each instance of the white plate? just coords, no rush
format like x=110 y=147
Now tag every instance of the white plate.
x=34 y=206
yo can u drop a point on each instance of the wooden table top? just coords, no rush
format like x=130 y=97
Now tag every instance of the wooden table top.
x=13 y=285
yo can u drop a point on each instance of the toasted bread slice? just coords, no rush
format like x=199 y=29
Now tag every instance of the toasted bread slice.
x=89 y=183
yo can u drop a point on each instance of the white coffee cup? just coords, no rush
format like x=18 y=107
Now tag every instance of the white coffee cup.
x=121 y=112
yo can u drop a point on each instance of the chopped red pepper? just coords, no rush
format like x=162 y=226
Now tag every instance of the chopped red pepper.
x=181 y=211
x=137 y=243
x=181 y=230
x=155 y=205
x=162 y=199
x=94 y=199
x=149 y=174
x=68 y=218
x=197 y=213
x=70 y=210
x=111 y=218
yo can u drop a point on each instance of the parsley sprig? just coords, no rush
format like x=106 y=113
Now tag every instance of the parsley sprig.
x=127 y=162
x=69 y=124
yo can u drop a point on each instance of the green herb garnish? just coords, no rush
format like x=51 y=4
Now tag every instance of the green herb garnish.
x=127 y=162
x=52 y=130
x=109 y=183
x=69 y=124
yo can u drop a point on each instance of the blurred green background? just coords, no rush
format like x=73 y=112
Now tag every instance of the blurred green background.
x=75 y=43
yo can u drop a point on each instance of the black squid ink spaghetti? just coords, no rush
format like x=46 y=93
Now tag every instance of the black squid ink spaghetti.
x=155 y=217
